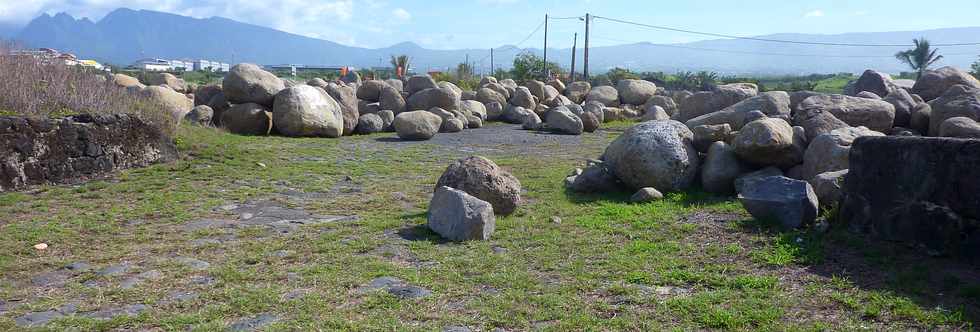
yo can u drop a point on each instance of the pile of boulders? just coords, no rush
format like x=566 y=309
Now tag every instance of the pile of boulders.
x=468 y=196
x=784 y=154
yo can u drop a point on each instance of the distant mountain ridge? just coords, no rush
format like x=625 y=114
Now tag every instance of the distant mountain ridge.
x=124 y=36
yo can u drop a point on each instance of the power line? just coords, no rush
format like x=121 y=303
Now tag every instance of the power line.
x=568 y=18
x=514 y=46
x=767 y=39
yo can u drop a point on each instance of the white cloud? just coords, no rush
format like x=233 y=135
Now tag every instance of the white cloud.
x=401 y=14
x=815 y=13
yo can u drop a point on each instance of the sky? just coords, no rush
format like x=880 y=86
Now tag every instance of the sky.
x=456 y=24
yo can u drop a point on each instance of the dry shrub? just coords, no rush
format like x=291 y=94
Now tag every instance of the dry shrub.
x=30 y=86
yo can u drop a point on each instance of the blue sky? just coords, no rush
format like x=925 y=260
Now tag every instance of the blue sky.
x=446 y=24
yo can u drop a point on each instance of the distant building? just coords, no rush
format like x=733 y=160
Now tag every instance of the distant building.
x=207 y=65
x=153 y=65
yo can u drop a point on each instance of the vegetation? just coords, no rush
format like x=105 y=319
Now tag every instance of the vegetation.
x=403 y=62
x=528 y=66
x=690 y=262
x=920 y=57
x=975 y=69
x=36 y=88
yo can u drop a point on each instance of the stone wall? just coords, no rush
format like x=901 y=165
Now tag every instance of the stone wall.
x=74 y=149
x=918 y=190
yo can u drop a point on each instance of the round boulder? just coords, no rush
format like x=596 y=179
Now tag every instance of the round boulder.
x=306 y=111
x=606 y=95
x=247 y=83
x=417 y=125
x=483 y=179
x=768 y=142
x=656 y=154
x=635 y=92
x=247 y=119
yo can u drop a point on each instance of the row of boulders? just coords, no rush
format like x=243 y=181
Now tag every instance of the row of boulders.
x=783 y=153
x=468 y=196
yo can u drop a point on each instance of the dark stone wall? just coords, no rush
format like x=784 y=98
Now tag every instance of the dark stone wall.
x=74 y=149
x=920 y=190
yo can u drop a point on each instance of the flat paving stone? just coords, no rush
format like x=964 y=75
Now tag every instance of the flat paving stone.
x=394 y=286
x=264 y=214
x=113 y=270
x=41 y=318
x=254 y=323
x=113 y=312
x=193 y=263
x=140 y=278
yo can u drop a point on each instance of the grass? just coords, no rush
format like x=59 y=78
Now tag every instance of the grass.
x=692 y=261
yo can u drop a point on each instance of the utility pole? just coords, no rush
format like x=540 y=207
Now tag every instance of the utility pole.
x=467 y=67
x=571 y=75
x=544 y=62
x=585 y=65
x=491 y=63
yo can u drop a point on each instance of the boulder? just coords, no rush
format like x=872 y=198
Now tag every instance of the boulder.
x=473 y=121
x=597 y=178
x=468 y=95
x=429 y=98
x=877 y=115
x=934 y=83
x=878 y=83
x=204 y=94
x=126 y=81
x=474 y=107
x=483 y=179
x=657 y=154
x=792 y=203
x=395 y=83
x=816 y=122
x=723 y=96
x=317 y=82
x=495 y=111
x=606 y=95
x=201 y=115
x=635 y=92
x=457 y=216
x=451 y=86
x=247 y=119
x=646 y=195
x=531 y=122
x=453 y=125
x=392 y=100
x=175 y=103
x=904 y=104
x=868 y=95
x=487 y=96
x=487 y=79
x=417 y=125
x=170 y=80
x=345 y=97
x=827 y=186
x=561 y=120
x=516 y=114
x=576 y=91
x=961 y=127
x=420 y=82
x=768 y=142
x=510 y=83
x=247 y=83
x=504 y=91
x=558 y=85
x=363 y=107
x=721 y=168
x=958 y=101
x=655 y=113
x=536 y=88
x=306 y=111
x=797 y=97
x=666 y=103
x=550 y=94
x=370 y=90
x=831 y=151
x=524 y=98
x=387 y=118
x=590 y=122
x=705 y=136
x=772 y=104
x=596 y=108
x=219 y=104
x=741 y=180
x=369 y=124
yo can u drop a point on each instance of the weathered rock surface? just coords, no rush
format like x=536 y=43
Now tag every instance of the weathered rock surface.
x=934 y=83
x=961 y=127
x=576 y=91
x=247 y=83
x=827 y=186
x=957 y=101
x=420 y=82
x=635 y=92
x=345 y=97
x=721 y=168
x=561 y=120
x=35 y=151
x=706 y=102
x=606 y=95
x=792 y=203
x=831 y=151
x=768 y=142
x=247 y=119
x=483 y=179
x=304 y=110
x=875 y=114
x=417 y=125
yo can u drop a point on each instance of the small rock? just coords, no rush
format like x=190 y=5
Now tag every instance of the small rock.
x=556 y=220
x=646 y=195
x=193 y=263
x=254 y=323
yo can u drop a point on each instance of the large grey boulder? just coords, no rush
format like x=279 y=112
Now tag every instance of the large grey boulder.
x=904 y=105
x=705 y=136
x=831 y=151
x=126 y=81
x=175 y=103
x=483 y=179
x=721 y=168
x=395 y=83
x=920 y=118
x=877 y=115
x=391 y=99
x=657 y=154
x=768 y=142
x=420 y=82
x=958 y=101
x=457 y=216
x=474 y=107
x=524 y=98
x=816 y=122
x=773 y=104
x=247 y=119
x=934 y=83
x=721 y=97
x=201 y=115
x=304 y=110
x=596 y=108
x=655 y=113
x=666 y=103
x=247 y=83
x=827 y=186
x=960 y=127
x=504 y=91
x=170 y=80
x=535 y=88
x=487 y=96
x=635 y=92
x=347 y=100
x=317 y=82
x=531 y=122
x=495 y=110
x=596 y=178
x=450 y=86
x=576 y=91
x=792 y=203
x=417 y=125
x=879 y=83
x=516 y=114
x=551 y=96
x=606 y=95
x=387 y=118
x=369 y=124
x=486 y=80
x=436 y=97
x=562 y=120
x=370 y=90
x=797 y=97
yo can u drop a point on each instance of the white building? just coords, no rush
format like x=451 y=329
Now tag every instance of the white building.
x=153 y=65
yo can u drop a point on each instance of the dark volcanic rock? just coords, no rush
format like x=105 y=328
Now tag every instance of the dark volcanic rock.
x=40 y=151
x=916 y=189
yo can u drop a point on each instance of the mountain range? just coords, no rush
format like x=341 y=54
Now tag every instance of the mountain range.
x=124 y=36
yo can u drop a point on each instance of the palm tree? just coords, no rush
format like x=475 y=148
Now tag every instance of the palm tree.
x=920 y=57
x=401 y=61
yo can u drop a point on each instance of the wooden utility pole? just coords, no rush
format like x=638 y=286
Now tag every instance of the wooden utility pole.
x=585 y=65
x=571 y=75
x=544 y=62
x=491 y=63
